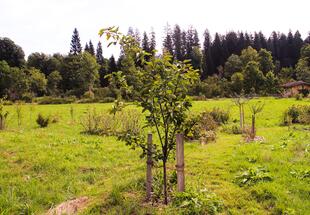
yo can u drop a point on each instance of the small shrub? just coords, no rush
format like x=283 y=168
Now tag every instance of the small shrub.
x=299 y=97
x=198 y=202
x=297 y=114
x=42 y=121
x=55 y=118
x=294 y=112
x=91 y=122
x=252 y=175
x=198 y=127
x=18 y=107
x=232 y=129
x=262 y=195
x=304 y=114
x=220 y=116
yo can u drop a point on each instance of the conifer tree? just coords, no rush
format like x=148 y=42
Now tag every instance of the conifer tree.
x=91 y=48
x=145 y=42
x=177 y=42
x=99 y=56
x=86 y=48
x=167 y=43
x=76 y=47
x=152 y=41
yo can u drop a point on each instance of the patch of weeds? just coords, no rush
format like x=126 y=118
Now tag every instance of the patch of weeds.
x=252 y=176
x=198 y=202
x=262 y=195
x=158 y=190
x=232 y=129
x=301 y=174
x=252 y=159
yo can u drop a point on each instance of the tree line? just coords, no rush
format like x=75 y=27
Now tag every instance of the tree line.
x=229 y=64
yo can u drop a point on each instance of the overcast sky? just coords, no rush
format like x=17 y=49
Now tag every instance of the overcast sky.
x=47 y=25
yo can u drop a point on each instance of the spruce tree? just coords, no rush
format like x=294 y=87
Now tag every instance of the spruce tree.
x=86 y=48
x=91 y=48
x=177 y=42
x=207 y=62
x=112 y=65
x=76 y=47
x=99 y=57
x=145 y=42
x=152 y=41
x=167 y=43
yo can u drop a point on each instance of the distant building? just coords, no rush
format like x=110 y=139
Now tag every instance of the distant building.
x=296 y=87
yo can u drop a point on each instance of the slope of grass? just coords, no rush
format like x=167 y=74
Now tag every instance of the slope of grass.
x=42 y=167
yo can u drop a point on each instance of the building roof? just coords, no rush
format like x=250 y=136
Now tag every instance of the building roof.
x=295 y=83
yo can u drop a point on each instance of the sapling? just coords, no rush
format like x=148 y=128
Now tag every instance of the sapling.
x=240 y=101
x=160 y=86
x=19 y=114
x=3 y=115
x=72 y=114
x=255 y=109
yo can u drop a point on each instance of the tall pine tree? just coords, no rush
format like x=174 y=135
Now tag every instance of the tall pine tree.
x=76 y=47
x=91 y=48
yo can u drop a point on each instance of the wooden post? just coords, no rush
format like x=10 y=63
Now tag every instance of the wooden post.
x=149 y=163
x=180 y=163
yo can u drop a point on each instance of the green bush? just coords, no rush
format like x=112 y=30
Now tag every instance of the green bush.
x=42 y=121
x=232 y=129
x=297 y=114
x=111 y=125
x=220 y=116
x=299 y=97
x=198 y=126
x=252 y=175
x=198 y=202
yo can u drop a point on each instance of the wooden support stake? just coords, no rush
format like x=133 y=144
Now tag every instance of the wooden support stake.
x=149 y=163
x=180 y=163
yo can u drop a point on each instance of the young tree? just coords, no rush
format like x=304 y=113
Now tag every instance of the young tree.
x=303 y=65
x=255 y=109
x=53 y=83
x=247 y=55
x=232 y=65
x=161 y=89
x=265 y=61
x=253 y=78
x=76 y=47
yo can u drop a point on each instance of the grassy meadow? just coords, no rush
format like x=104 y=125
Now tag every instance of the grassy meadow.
x=42 y=167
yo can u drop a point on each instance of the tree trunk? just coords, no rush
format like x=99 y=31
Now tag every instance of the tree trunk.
x=240 y=112
x=149 y=163
x=180 y=162
x=243 y=121
x=165 y=183
x=253 y=132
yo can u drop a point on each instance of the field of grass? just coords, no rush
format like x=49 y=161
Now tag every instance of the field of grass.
x=42 y=167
